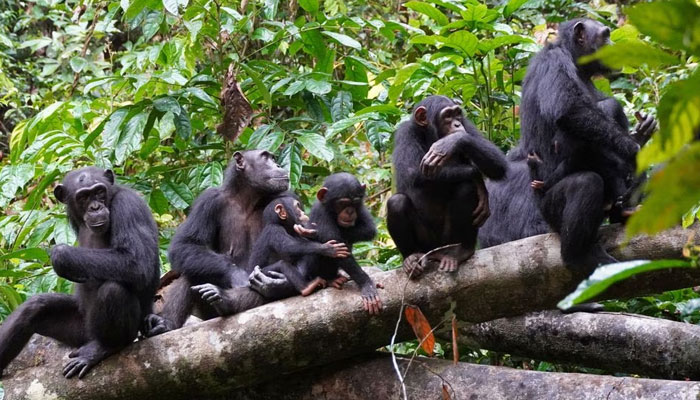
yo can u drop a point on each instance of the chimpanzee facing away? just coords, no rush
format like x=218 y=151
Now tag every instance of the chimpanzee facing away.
x=340 y=215
x=213 y=245
x=555 y=90
x=280 y=246
x=438 y=158
x=115 y=268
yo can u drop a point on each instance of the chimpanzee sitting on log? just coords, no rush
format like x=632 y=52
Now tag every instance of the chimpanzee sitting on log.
x=213 y=245
x=115 y=268
x=438 y=159
x=512 y=198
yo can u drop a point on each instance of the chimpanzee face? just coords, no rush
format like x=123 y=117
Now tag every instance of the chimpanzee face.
x=590 y=36
x=87 y=193
x=450 y=121
x=261 y=171
x=346 y=210
x=342 y=195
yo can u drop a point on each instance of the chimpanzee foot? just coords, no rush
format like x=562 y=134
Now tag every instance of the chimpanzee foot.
x=155 y=324
x=86 y=357
x=412 y=265
x=448 y=264
x=316 y=284
x=338 y=282
x=215 y=297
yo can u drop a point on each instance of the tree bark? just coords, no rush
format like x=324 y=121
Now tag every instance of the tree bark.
x=373 y=377
x=297 y=333
x=611 y=341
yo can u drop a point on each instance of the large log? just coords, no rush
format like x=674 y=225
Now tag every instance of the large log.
x=374 y=378
x=611 y=341
x=286 y=336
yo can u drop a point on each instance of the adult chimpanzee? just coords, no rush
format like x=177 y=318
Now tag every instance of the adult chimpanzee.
x=115 y=269
x=438 y=158
x=548 y=94
x=280 y=246
x=213 y=245
x=340 y=215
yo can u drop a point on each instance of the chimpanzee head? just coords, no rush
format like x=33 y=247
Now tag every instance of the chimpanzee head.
x=257 y=169
x=440 y=115
x=584 y=36
x=342 y=195
x=87 y=193
x=285 y=210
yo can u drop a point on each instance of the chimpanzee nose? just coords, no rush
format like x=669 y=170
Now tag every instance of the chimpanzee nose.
x=94 y=207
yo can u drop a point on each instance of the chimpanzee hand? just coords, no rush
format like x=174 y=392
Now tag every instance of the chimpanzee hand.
x=412 y=265
x=266 y=283
x=438 y=154
x=646 y=125
x=482 y=211
x=208 y=292
x=627 y=147
x=63 y=265
x=370 y=299
x=336 y=249
x=537 y=185
x=305 y=232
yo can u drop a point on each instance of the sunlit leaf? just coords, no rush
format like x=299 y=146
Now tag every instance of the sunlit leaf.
x=77 y=63
x=345 y=40
x=674 y=23
x=513 y=6
x=171 y=6
x=428 y=10
x=177 y=193
x=421 y=328
x=463 y=41
x=315 y=144
x=27 y=254
x=318 y=87
x=310 y=6
x=631 y=53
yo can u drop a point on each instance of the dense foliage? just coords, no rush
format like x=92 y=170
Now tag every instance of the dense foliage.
x=135 y=86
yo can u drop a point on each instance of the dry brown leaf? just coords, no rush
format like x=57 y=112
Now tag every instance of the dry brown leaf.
x=421 y=327
x=455 y=349
x=445 y=392
x=237 y=109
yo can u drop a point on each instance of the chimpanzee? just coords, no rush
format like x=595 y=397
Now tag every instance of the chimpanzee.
x=213 y=245
x=438 y=159
x=280 y=246
x=115 y=268
x=339 y=214
x=555 y=89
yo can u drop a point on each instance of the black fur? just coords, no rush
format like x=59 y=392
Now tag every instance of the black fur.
x=115 y=267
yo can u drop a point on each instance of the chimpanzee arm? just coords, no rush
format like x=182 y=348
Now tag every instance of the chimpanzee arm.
x=484 y=154
x=284 y=243
x=190 y=252
x=133 y=256
x=563 y=169
x=363 y=280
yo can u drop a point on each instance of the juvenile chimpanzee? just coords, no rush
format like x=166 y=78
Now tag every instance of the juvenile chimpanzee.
x=340 y=215
x=280 y=247
x=556 y=98
x=115 y=268
x=213 y=245
x=438 y=159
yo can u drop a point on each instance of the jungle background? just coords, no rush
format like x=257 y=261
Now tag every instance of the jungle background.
x=136 y=86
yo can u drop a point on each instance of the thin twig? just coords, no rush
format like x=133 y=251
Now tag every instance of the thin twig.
x=76 y=76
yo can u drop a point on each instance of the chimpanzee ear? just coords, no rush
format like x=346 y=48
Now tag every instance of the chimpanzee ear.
x=281 y=212
x=580 y=32
x=239 y=159
x=61 y=193
x=364 y=186
x=420 y=115
x=109 y=174
x=321 y=194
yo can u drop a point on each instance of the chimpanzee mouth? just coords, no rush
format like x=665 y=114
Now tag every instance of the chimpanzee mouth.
x=97 y=224
x=346 y=223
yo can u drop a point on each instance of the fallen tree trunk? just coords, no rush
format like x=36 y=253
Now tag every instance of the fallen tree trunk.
x=286 y=336
x=374 y=378
x=610 y=341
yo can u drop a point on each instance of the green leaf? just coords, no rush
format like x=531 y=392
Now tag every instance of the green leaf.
x=151 y=24
x=167 y=103
x=131 y=137
x=428 y=10
x=270 y=8
x=171 y=6
x=625 y=32
x=291 y=160
x=178 y=194
x=513 y=6
x=603 y=277
x=315 y=144
x=318 y=87
x=112 y=128
x=158 y=202
x=674 y=23
x=378 y=134
x=381 y=108
x=673 y=191
x=402 y=76
x=27 y=254
x=202 y=95
x=426 y=39
x=77 y=64
x=631 y=53
x=463 y=41
x=259 y=84
x=491 y=44
x=272 y=141
x=310 y=6
x=345 y=40
x=183 y=126
x=295 y=87
x=341 y=105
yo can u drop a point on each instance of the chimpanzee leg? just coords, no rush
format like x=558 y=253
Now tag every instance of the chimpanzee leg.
x=52 y=315
x=401 y=220
x=291 y=272
x=460 y=227
x=113 y=321
x=177 y=307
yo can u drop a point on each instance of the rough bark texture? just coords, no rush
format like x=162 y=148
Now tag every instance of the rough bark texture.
x=287 y=336
x=374 y=378
x=610 y=341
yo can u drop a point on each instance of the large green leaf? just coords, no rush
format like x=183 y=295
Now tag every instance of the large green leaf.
x=513 y=6
x=341 y=105
x=674 y=23
x=462 y=40
x=345 y=40
x=428 y=10
x=131 y=137
x=27 y=254
x=318 y=87
x=603 y=277
x=112 y=128
x=177 y=193
x=310 y=6
x=631 y=53
x=171 y=6
x=673 y=191
x=315 y=144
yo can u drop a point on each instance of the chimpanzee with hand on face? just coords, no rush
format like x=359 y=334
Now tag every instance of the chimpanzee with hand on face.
x=339 y=214
x=211 y=248
x=115 y=268
x=438 y=158
x=280 y=246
